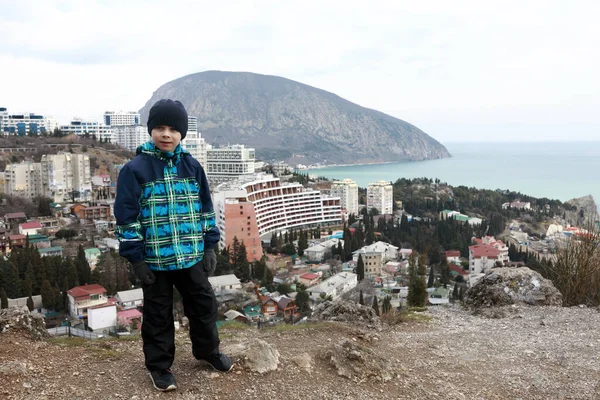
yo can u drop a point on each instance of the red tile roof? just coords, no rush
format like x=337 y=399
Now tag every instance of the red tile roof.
x=128 y=314
x=310 y=276
x=453 y=253
x=86 y=290
x=31 y=225
x=457 y=269
x=16 y=237
x=15 y=215
x=484 y=250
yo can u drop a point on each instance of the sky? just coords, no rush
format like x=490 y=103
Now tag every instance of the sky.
x=458 y=70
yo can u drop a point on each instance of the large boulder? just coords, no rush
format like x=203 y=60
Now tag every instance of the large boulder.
x=20 y=319
x=505 y=286
x=344 y=311
x=256 y=355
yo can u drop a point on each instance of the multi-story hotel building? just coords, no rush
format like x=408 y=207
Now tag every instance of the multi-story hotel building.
x=228 y=163
x=80 y=127
x=22 y=124
x=121 y=118
x=23 y=180
x=347 y=191
x=131 y=136
x=380 y=195
x=64 y=173
x=265 y=205
x=194 y=142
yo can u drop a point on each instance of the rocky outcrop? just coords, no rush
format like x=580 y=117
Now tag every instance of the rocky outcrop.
x=287 y=120
x=344 y=311
x=256 y=356
x=19 y=318
x=505 y=286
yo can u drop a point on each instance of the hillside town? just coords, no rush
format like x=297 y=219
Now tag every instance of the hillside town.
x=289 y=241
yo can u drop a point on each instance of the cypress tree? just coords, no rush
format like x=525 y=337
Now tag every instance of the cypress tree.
x=360 y=268
x=47 y=295
x=431 y=278
x=361 y=299
x=455 y=292
x=3 y=299
x=30 y=303
x=376 y=305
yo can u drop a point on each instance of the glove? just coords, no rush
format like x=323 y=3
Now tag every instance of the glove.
x=143 y=272
x=209 y=261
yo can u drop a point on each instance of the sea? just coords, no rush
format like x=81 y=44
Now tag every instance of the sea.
x=556 y=170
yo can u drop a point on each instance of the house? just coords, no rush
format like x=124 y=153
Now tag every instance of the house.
x=456 y=270
x=232 y=315
x=373 y=263
x=287 y=307
x=334 y=286
x=39 y=241
x=322 y=251
x=38 y=305
x=102 y=318
x=13 y=219
x=388 y=252
x=131 y=317
x=81 y=298
x=484 y=255
x=30 y=228
x=51 y=251
x=50 y=225
x=17 y=240
x=392 y=267
x=130 y=298
x=92 y=255
x=309 y=279
x=111 y=243
x=253 y=312
x=518 y=204
x=91 y=213
x=404 y=254
x=269 y=307
x=224 y=283
x=101 y=180
x=453 y=256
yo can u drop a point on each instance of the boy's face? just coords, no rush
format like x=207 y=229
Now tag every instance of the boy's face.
x=166 y=138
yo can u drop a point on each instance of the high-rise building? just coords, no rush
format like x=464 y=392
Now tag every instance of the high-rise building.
x=347 y=191
x=266 y=206
x=23 y=180
x=227 y=163
x=131 y=136
x=81 y=127
x=380 y=195
x=121 y=118
x=65 y=173
x=194 y=142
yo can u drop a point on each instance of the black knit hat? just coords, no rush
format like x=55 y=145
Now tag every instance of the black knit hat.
x=168 y=113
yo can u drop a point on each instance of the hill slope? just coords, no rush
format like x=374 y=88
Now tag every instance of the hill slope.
x=282 y=118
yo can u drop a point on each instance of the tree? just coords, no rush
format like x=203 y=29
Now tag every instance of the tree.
x=361 y=299
x=30 y=303
x=360 y=268
x=375 y=305
x=431 y=278
x=417 y=288
x=455 y=292
x=3 y=299
x=302 y=301
x=284 y=288
x=84 y=272
x=47 y=295
x=387 y=305
x=44 y=206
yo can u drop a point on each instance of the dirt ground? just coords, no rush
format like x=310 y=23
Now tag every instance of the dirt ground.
x=448 y=353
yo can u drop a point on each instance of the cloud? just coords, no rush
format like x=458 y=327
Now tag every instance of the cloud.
x=455 y=69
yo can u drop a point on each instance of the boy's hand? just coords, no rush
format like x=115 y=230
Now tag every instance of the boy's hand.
x=143 y=272
x=209 y=261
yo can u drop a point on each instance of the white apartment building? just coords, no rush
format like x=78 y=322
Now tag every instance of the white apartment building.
x=227 y=163
x=130 y=136
x=380 y=195
x=278 y=206
x=23 y=180
x=22 y=124
x=80 y=127
x=347 y=191
x=65 y=172
x=334 y=286
x=121 y=118
x=194 y=142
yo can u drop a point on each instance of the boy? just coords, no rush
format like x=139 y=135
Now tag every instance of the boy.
x=166 y=228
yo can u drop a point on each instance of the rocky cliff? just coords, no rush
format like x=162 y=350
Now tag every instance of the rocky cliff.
x=284 y=119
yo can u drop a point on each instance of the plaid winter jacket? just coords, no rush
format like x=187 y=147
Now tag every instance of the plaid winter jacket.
x=163 y=209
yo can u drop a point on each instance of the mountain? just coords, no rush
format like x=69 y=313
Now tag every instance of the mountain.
x=287 y=120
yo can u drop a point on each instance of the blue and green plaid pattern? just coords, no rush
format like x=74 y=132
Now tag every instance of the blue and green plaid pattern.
x=171 y=221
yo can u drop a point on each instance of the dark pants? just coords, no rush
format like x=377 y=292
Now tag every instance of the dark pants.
x=199 y=306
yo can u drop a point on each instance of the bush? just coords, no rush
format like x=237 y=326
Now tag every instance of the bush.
x=575 y=269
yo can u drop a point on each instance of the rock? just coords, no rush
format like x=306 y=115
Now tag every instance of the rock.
x=304 y=362
x=346 y=311
x=358 y=363
x=258 y=355
x=19 y=318
x=13 y=368
x=506 y=286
